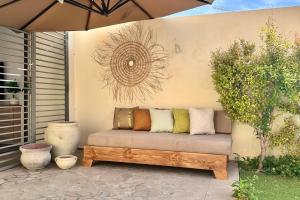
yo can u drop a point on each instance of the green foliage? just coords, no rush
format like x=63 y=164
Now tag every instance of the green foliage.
x=233 y=78
x=287 y=138
x=284 y=165
x=245 y=189
x=247 y=163
x=13 y=87
x=253 y=83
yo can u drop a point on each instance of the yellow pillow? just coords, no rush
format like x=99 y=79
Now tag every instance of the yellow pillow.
x=181 y=121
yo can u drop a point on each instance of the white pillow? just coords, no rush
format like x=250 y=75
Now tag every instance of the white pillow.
x=161 y=120
x=201 y=121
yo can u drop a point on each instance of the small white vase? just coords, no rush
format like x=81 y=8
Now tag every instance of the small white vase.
x=35 y=156
x=13 y=101
x=66 y=161
x=63 y=136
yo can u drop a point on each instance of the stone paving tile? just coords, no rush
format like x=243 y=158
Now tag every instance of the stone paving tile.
x=115 y=181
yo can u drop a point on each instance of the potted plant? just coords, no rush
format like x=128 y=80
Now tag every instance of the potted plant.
x=13 y=88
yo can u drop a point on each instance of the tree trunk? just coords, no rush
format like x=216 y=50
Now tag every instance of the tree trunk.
x=263 y=151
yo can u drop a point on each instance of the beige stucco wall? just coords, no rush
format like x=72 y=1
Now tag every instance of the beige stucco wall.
x=191 y=84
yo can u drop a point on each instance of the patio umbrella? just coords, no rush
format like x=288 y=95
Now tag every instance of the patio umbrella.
x=68 y=15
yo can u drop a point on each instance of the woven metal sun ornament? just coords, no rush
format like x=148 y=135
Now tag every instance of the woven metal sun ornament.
x=133 y=65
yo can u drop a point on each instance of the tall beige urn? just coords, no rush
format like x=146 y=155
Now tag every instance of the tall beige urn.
x=63 y=136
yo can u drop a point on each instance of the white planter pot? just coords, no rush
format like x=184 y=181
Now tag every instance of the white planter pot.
x=63 y=136
x=35 y=156
x=66 y=161
x=13 y=101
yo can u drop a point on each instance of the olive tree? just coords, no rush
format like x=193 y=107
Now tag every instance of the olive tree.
x=253 y=84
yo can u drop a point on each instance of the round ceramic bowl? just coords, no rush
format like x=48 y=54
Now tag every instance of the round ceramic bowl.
x=66 y=161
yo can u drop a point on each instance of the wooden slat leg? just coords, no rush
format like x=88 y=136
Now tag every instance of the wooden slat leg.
x=87 y=162
x=88 y=156
x=221 y=174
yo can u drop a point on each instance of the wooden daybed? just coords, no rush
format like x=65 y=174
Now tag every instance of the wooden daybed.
x=209 y=152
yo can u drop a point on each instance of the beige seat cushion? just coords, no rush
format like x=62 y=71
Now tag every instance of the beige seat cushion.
x=210 y=144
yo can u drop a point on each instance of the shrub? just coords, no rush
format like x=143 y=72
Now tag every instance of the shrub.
x=283 y=165
x=245 y=189
x=247 y=163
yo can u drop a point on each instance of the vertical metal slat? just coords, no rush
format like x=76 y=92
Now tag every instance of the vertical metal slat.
x=50 y=77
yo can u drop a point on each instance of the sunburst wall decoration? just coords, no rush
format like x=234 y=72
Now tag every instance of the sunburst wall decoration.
x=133 y=64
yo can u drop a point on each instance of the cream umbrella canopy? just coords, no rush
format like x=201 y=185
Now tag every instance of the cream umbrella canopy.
x=69 y=15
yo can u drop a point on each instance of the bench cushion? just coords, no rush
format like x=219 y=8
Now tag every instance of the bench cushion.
x=209 y=144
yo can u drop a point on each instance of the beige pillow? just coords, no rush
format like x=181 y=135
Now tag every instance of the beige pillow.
x=201 y=121
x=161 y=120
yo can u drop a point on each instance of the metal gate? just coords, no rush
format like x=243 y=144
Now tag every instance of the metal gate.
x=15 y=95
x=33 y=88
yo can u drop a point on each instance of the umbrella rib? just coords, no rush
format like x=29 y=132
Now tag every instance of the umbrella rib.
x=104 y=6
x=88 y=17
x=142 y=9
x=97 y=6
x=204 y=1
x=9 y=3
x=82 y=6
x=107 y=4
x=119 y=4
x=39 y=14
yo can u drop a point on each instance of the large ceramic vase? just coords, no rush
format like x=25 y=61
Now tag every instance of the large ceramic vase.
x=64 y=138
x=35 y=156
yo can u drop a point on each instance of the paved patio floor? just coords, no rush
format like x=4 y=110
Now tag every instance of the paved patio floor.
x=112 y=181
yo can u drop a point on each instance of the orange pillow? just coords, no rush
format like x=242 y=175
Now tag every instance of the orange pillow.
x=142 y=120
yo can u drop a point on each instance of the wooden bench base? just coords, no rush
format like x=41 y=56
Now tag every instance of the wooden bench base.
x=217 y=163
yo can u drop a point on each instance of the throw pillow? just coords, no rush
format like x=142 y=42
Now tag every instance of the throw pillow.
x=123 y=118
x=222 y=122
x=181 y=121
x=161 y=120
x=201 y=121
x=142 y=120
